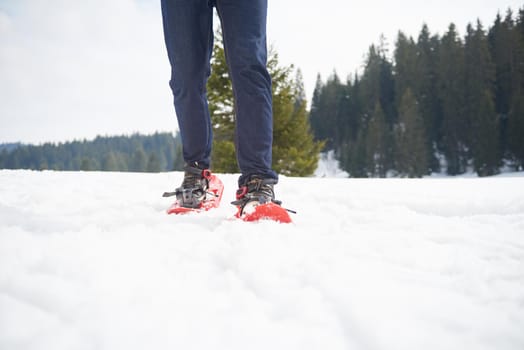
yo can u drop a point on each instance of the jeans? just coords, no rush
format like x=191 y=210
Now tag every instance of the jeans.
x=188 y=33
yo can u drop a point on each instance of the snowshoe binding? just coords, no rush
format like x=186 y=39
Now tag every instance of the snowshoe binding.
x=200 y=191
x=256 y=201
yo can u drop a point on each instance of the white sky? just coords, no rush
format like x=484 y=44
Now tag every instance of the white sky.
x=76 y=69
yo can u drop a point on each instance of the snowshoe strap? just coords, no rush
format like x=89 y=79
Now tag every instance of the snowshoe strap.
x=204 y=173
x=252 y=191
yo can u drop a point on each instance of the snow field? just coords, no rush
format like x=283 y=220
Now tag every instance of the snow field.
x=90 y=260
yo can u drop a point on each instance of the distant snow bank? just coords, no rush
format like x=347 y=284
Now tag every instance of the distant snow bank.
x=329 y=166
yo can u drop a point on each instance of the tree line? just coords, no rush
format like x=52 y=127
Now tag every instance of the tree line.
x=140 y=153
x=439 y=104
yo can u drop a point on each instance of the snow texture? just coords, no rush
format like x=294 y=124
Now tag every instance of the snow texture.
x=90 y=260
x=328 y=166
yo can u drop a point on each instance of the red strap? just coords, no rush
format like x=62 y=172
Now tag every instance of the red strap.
x=241 y=192
x=206 y=174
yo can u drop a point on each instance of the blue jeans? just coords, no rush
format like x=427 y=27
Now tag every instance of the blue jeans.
x=188 y=33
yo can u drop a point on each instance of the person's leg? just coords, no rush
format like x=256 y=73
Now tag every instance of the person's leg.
x=188 y=33
x=244 y=33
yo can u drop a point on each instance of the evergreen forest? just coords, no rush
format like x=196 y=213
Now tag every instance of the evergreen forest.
x=139 y=153
x=447 y=104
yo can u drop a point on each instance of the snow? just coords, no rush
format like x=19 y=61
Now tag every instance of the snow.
x=329 y=166
x=90 y=260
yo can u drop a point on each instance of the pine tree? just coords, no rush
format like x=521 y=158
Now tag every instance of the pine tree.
x=153 y=163
x=406 y=63
x=351 y=112
x=370 y=94
x=480 y=111
x=139 y=160
x=377 y=84
x=86 y=164
x=354 y=113
x=377 y=143
x=315 y=114
x=346 y=118
x=325 y=114
x=516 y=131
x=425 y=91
x=3 y=158
x=109 y=162
x=507 y=52
x=222 y=111
x=413 y=147
x=486 y=159
x=299 y=91
x=369 y=91
x=503 y=50
x=451 y=94
x=295 y=153
x=358 y=152
x=410 y=138
x=515 y=122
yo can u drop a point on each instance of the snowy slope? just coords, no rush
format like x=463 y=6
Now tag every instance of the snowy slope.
x=91 y=261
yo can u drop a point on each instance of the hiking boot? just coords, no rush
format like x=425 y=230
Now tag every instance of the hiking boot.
x=194 y=187
x=256 y=191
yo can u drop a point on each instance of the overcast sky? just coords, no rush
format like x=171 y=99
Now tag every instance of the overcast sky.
x=73 y=69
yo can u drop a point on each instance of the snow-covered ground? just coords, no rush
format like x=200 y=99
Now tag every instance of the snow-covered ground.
x=90 y=260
